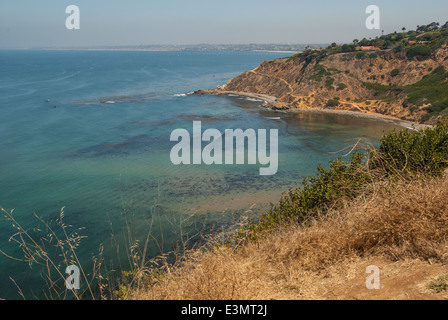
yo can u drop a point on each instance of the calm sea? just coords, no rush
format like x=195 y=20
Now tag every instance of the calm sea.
x=90 y=131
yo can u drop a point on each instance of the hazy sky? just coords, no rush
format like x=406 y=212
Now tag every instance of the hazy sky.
x=31 y=23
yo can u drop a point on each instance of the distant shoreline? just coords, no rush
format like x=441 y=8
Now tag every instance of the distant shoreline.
x=162 y=49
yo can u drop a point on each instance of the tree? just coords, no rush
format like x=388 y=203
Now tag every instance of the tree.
x=355 y=41
x=403 y=29
x=348 y=48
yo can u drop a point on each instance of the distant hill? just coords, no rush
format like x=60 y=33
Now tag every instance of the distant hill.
x=292 y=48
x=400 y=74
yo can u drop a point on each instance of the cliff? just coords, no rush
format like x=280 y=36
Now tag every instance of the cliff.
x=385 y=82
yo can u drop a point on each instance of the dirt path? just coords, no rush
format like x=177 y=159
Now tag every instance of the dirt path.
x=404 y=280
x=291 y=89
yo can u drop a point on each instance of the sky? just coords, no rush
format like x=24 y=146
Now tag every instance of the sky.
x=42 y=23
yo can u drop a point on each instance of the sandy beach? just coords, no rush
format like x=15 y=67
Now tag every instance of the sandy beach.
x=272 y=103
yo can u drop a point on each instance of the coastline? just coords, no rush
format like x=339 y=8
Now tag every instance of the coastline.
x=271 y=103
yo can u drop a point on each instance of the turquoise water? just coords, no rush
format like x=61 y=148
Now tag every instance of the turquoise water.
x=107 y=161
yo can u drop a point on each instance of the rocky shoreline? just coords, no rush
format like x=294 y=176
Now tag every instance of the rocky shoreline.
x=272 y=103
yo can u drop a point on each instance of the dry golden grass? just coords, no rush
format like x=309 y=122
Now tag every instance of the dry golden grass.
x=400 y=226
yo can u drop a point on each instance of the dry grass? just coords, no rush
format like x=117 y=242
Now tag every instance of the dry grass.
x=402 y=224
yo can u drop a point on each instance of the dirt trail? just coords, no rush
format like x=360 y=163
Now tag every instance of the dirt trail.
x=291 y=89
x=404 y=280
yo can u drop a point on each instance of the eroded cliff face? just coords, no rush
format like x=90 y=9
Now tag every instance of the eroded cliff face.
x=339 y=81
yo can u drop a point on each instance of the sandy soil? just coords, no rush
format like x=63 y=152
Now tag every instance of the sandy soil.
x=402 y=280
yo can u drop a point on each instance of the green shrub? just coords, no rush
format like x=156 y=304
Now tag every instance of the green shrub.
x=395 y=72
x=332 y=103
x=440 y=284
x=432 y=89
x=423 y=151
x=320 y=71
x=380 y=89
x=348 y=48
x=360 y=55
x=406 y=151
x=418 y=51
x=329 y=82
x=325 y=190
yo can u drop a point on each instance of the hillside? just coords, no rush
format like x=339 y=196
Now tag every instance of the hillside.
x=328 y=260
x=390 y=211
x=401 y=75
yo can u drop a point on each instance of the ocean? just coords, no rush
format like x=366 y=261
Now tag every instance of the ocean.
x=89 y=131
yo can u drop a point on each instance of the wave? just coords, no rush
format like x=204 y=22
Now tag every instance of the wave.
x=254 y=99
x=183 y=94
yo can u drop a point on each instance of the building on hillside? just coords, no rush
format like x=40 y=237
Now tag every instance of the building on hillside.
x=368 y=48
x=420 y=42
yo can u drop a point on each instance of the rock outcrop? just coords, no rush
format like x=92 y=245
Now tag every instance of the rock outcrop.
x=344 y=81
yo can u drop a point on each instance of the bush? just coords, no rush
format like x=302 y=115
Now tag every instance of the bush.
x=319 y=72
x=418 y=51
x=410 y=151
x=319 y=193
x=341 y=86
x=380 y=89
x=395 y=72
x=440 y=284
x=348 y=48
x=329 y=82
x=405 y=151
x=432 y=89
x=360 y=55
x=332 y=103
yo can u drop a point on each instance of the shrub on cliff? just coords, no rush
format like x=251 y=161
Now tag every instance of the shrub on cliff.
x=319 y=193
x=341 y=86
x=409 y=151
x=395 y=72
x=332 y=103
x=418 y=51
x=432 y=89
x=360 y=55
x=400 y=153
